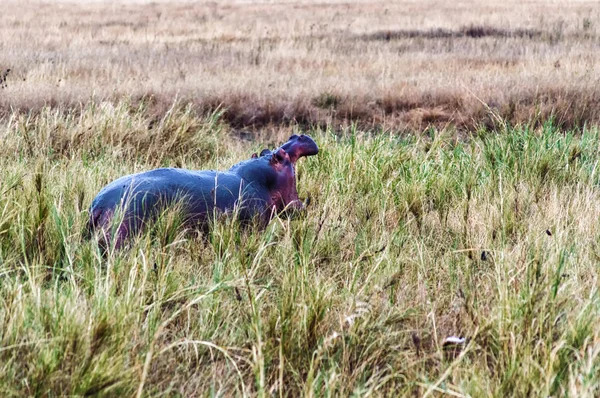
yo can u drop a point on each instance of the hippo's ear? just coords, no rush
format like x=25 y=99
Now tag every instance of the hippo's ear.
x=254 y=156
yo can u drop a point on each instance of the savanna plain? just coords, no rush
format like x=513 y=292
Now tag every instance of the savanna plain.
x=456 y=194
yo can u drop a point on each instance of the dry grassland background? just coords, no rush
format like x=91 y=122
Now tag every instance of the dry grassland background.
x=402 y=64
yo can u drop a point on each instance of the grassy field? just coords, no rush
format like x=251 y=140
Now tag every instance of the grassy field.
x=438 y=207
x=408 y=240
x=402 y=64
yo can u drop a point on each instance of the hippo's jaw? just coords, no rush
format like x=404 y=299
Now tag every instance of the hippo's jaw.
x=298 y=146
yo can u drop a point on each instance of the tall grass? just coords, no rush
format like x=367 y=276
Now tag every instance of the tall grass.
x=407 y=240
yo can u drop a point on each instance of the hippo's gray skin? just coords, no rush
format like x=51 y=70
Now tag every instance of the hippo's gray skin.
x=258 y=187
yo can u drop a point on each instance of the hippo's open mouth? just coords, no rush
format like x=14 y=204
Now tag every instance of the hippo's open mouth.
x=298 y=146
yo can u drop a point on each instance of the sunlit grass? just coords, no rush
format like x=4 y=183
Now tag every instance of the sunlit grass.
x=407 y=240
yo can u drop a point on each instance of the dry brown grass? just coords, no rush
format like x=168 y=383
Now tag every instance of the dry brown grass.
x=401 y=65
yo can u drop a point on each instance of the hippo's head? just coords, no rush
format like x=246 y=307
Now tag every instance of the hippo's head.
x=273 y=172
x=285 y=194
x=273 y=176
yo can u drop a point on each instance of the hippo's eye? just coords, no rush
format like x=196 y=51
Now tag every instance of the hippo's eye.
x=293 y=137
x=278 y=156
x=264 y=152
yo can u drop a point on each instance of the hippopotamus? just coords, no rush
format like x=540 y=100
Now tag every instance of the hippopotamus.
x=257 y=188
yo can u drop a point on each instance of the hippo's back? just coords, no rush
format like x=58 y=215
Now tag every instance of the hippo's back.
x=140 y=197
x=167 y=185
